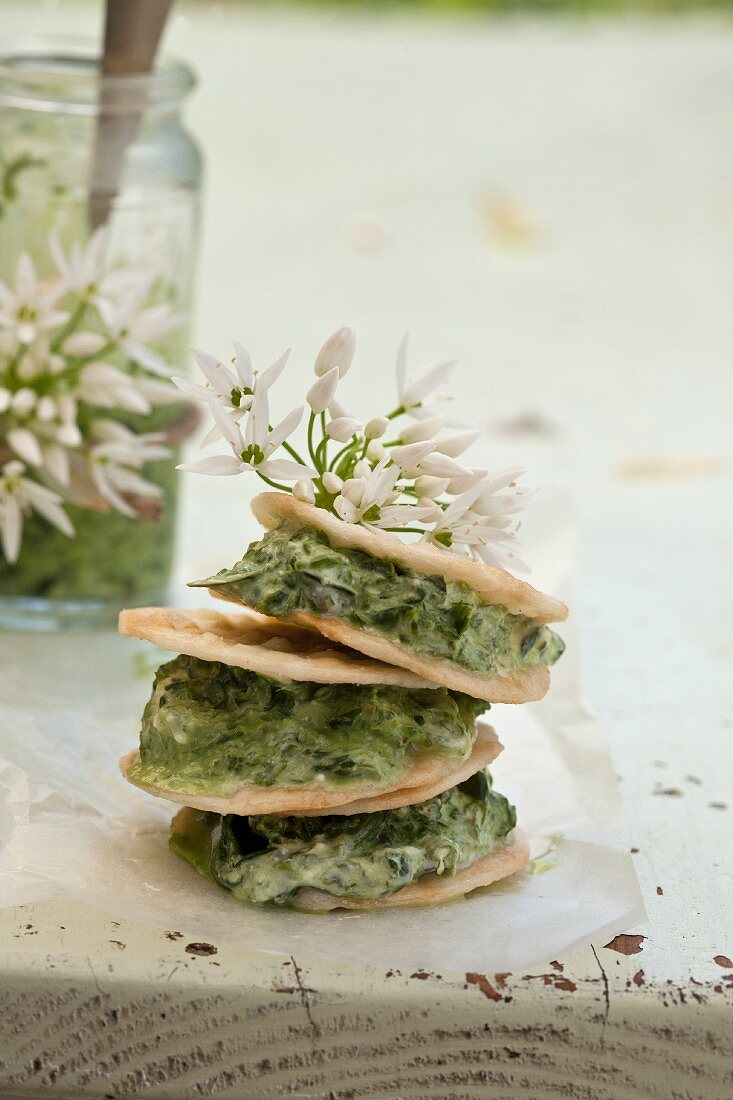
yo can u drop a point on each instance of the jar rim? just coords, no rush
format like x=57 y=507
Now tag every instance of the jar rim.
x=61 y=73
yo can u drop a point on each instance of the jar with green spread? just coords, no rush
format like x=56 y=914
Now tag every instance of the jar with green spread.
x=80 y=151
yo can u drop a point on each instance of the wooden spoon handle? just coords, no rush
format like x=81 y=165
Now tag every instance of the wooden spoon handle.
x=132 y=33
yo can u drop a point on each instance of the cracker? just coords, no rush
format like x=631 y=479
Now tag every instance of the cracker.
x=428 y=776
x=495 y=586
x=430 y=889
x=278 y=650
x=520 y=686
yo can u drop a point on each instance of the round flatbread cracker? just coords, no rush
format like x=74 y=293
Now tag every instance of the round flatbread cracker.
x=428 y=776
x=278 y=650
x=521 y=686
x=430 y=889
x=495 y=586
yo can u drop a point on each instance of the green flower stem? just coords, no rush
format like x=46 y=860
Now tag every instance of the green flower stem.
x=294 y=454
x=311 y=452
x=354 y=441
x=322 y=448
x=405 y=530
x=71 y=325
x=275 y=484
x=396 y=412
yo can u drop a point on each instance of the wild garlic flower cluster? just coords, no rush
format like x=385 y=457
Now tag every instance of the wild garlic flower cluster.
x=73 y=349
x=399 y=472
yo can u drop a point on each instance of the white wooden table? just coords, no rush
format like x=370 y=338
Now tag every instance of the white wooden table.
x=375 y=171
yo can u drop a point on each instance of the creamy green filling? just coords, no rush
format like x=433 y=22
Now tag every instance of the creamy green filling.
x=298 y=570
x=268 y=860
x=208 y=728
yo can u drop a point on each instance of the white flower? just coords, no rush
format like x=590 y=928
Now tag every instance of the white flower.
x=303 y=490
x=252 y=450
x=342 y=428
x=371 y=500
x=376 y=427
x=234 y=389
x=486 y=536
x=332 y=483
x=132 y=326
x=84 y=269
x=413 y=390
x=410 y=456
x=322 y=392
x=19 y=495
x=362 y=498
x=118 y=442
x=108 y=387
x=494 y=504
x=338 y=351
x=113 y=460
x=30 y=308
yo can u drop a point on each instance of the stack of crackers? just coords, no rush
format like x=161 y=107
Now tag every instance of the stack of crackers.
x=342 y=816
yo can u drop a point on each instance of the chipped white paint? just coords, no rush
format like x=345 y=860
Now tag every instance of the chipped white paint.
x=615 y=324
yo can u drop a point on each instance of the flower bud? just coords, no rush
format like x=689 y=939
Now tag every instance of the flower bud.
x=376 y=451
x=332 y=483
x=440 y=465
x=46 y=409
x=5 y=399
x=303 y=490
x=342 y=428
x=23 y=401
x=454 y=445
x=430 y=487
x=362 y=469
x=83 y=343
x=422 y=429
x=321 y=393
x=376 y=427
x=338 y=351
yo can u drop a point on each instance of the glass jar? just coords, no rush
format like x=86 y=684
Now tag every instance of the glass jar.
x=79 y=149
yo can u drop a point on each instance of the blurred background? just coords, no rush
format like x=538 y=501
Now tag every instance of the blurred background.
x=540 y=190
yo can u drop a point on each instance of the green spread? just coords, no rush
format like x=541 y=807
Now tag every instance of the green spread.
x=298 y=570
x=270 y=859
x=209 y=728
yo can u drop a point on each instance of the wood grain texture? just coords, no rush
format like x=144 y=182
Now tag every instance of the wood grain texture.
x=248 y=1026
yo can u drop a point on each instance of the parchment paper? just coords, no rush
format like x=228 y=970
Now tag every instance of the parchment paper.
x=71 y=828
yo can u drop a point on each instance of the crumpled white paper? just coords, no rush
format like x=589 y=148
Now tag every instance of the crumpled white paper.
x=70 y=827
